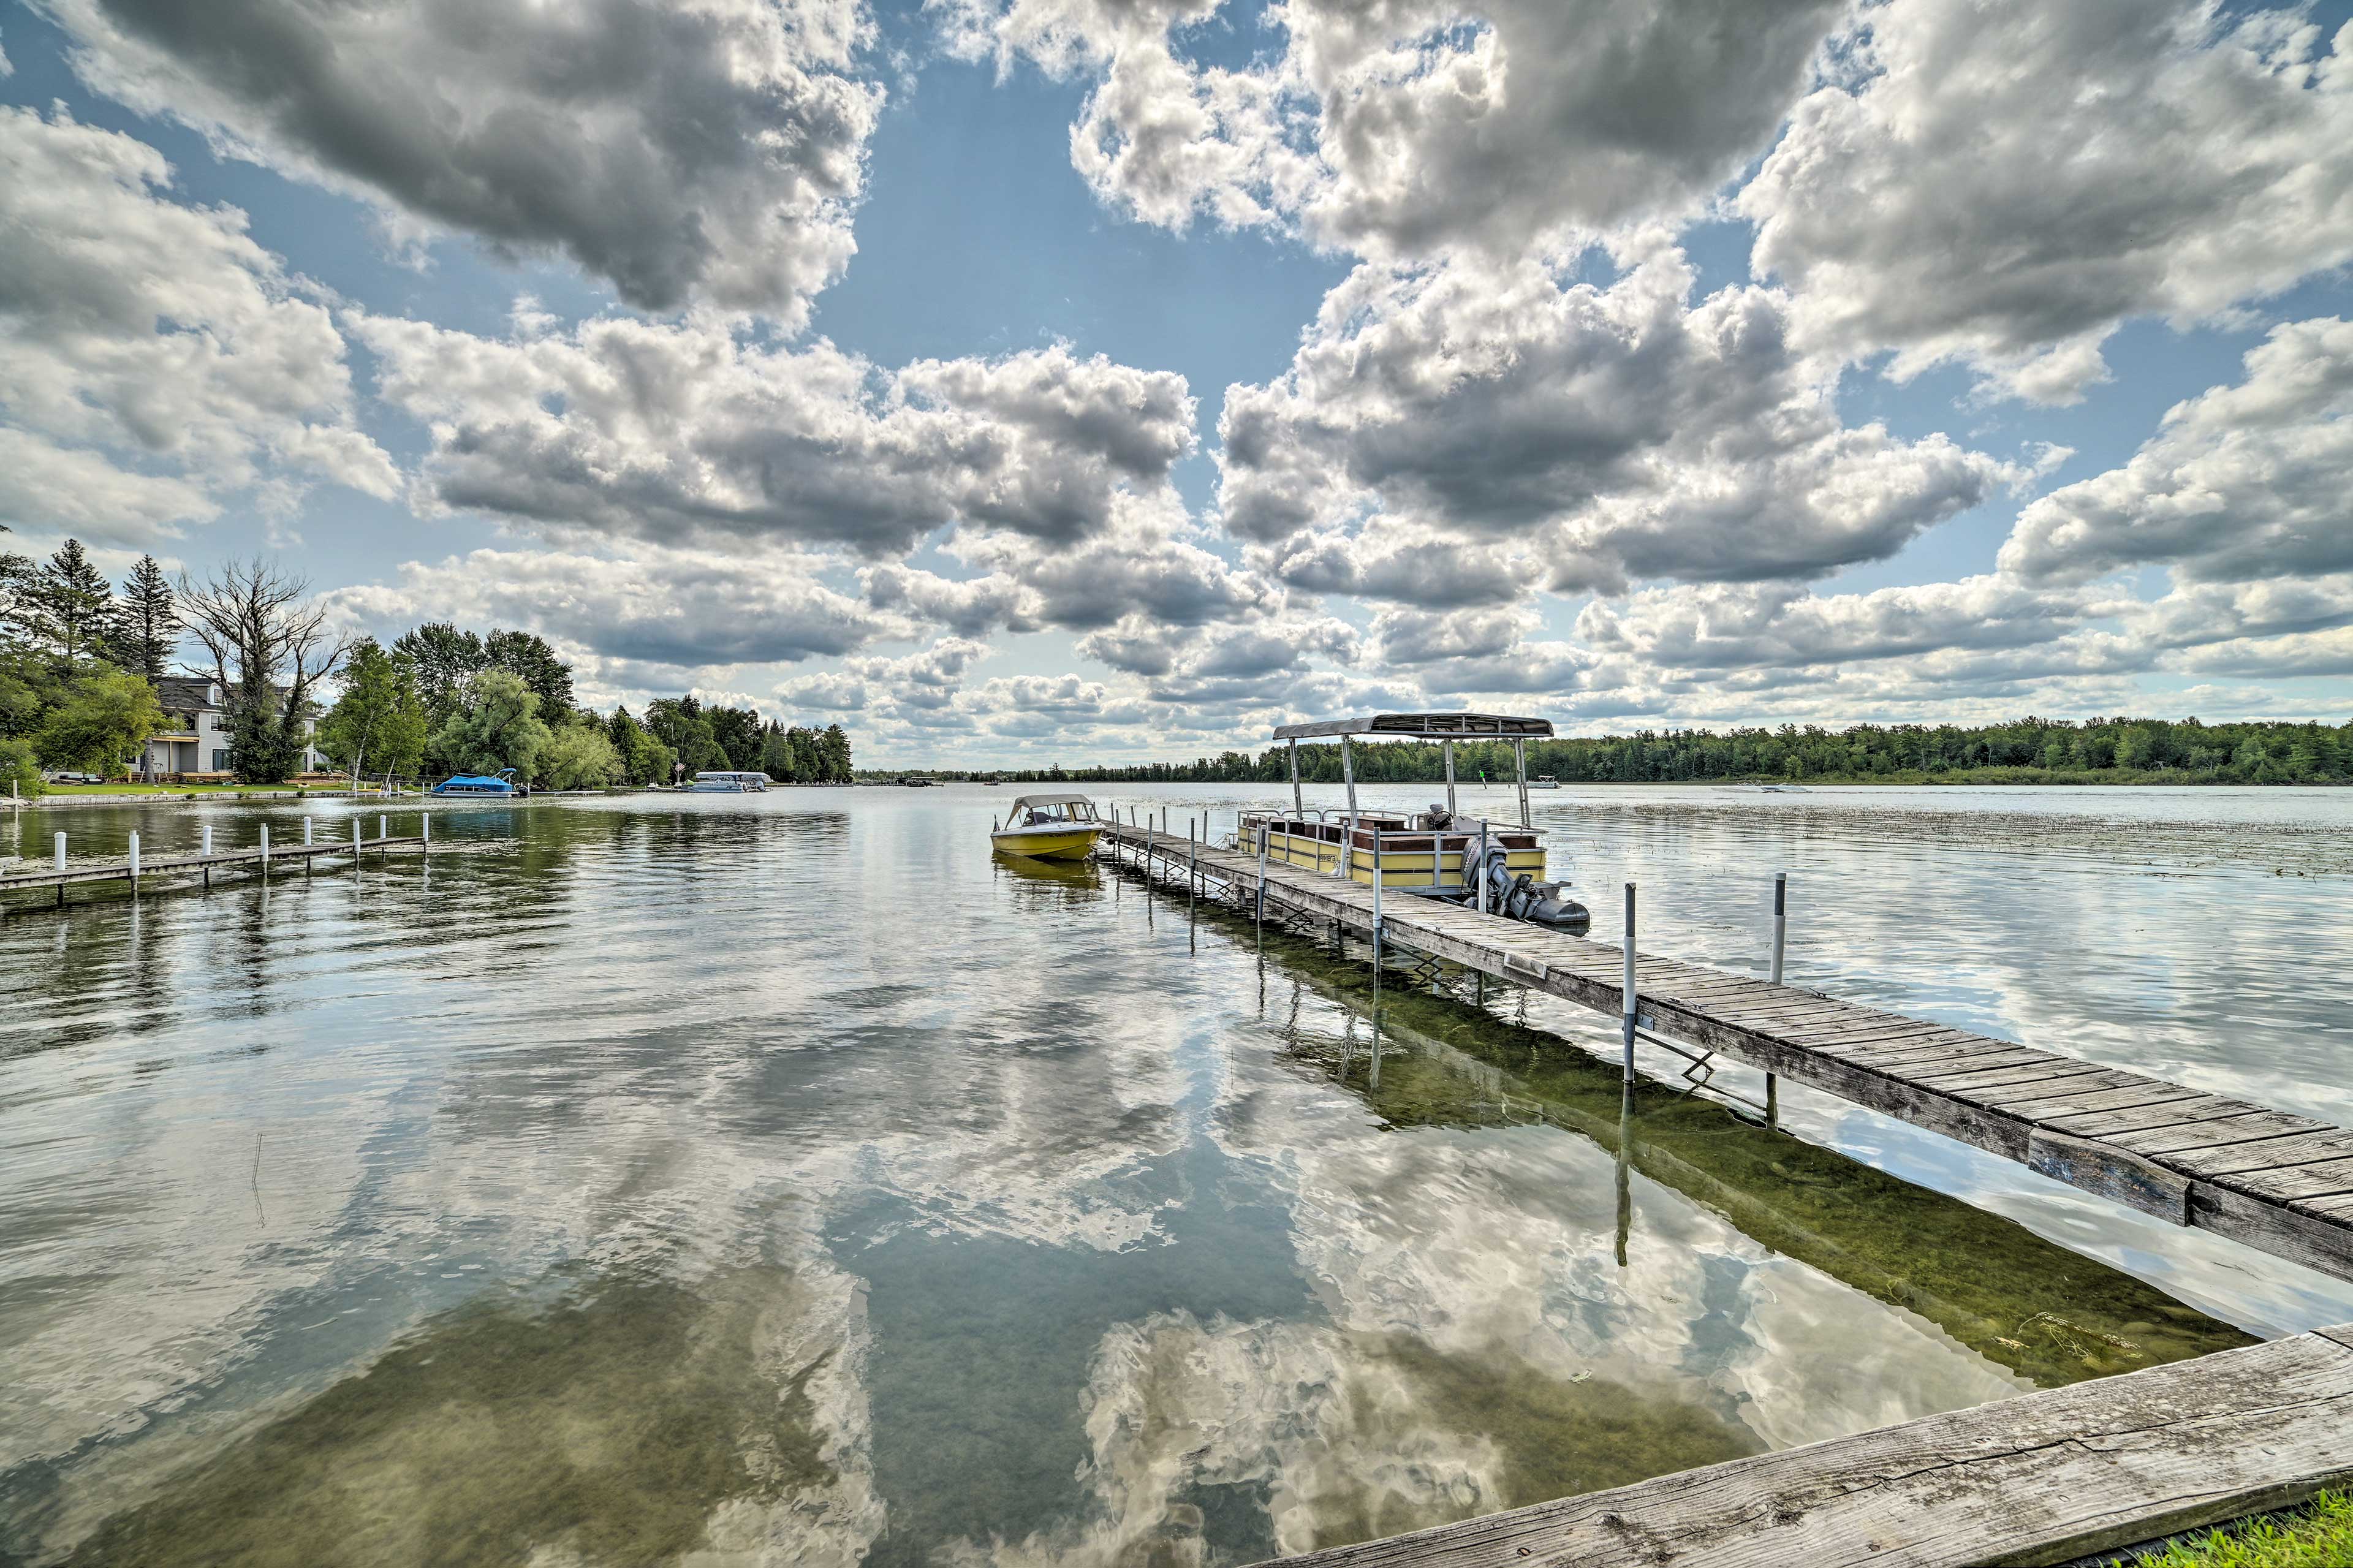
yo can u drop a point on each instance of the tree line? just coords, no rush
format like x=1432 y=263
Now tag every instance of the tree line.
x=2023 y=751
x=80 y=666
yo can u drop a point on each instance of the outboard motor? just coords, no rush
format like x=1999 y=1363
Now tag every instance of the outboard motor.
x=1521 y=898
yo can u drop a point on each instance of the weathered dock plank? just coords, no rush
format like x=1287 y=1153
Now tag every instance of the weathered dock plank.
x=2266 y=1178
x=2041 y=1478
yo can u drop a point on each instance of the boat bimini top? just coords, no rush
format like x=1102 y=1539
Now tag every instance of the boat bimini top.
x=1032 y=808
x=1444 y=728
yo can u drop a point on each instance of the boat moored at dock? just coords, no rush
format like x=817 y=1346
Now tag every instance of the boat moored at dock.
x=498 y=785
x=723 y=781
x=1049 y=827
x=1440 y=853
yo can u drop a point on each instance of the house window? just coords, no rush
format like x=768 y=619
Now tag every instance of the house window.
x=220 y=761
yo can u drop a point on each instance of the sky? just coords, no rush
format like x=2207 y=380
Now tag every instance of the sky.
x=1016 y=381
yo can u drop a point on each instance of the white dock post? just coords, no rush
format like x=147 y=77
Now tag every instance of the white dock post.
x=381 y=830
x=1448 y=747
x=306 y=829
x=1192 y=860
x=134 y=863
x=1630 y=983
x=208 y=841
x=425 y=830
x=265 y=847
x=1780 y=935
x=356 y=841
x=61 y=851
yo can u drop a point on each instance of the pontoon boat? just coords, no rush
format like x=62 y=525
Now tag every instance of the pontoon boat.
x=1495 y=867
x=500 y=783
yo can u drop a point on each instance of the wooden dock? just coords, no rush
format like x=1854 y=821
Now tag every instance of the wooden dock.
x=2273 y=1181
x=197 y=870
x=2042 y=1478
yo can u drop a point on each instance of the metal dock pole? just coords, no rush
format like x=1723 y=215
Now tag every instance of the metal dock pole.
x=134 y=865
x=1520 y=767
x=1780 y=933
x=264 y=849
x=1630 y=983
x=1448 y=747
x=424 y=831
x=61 y=866
x=1298 y=802
x=1263 y=833
x=1348 y=776
x=207 y=853
x=1377 y=905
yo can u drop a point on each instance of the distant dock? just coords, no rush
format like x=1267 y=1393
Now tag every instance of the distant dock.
x=179 y=871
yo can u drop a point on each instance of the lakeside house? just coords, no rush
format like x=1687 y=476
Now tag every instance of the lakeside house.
x=192 y=744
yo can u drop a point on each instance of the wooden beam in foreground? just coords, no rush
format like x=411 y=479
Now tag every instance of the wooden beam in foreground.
x=2039 y=1479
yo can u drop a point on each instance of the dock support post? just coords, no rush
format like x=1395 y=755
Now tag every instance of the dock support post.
x=381 y=830
x=61 y=851
x=424 y=831
x=134 y=865
x=1448 y=747
x=1520 y=767
x=1298 y=801
x=306 y=829
x=1263 y=832
x=1192 y=860
x=264 y=849
x=356 y=841
x=1630 y=983
x=1377 y=924
x=207 y=850
x=1780 y=933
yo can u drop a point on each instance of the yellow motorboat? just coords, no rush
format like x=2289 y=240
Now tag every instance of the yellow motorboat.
x=1049 y=827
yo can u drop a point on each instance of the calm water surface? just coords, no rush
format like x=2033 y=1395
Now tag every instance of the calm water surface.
x=782 y=1179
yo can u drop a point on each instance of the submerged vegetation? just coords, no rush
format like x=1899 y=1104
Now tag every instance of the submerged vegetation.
x=2027 y=751
x=2047 y=1314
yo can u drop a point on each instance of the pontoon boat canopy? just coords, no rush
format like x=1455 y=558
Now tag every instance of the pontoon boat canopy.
x=1448 y=728
x=1434 y=726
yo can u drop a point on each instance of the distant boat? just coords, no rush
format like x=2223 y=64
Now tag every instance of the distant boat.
x=1049 y=827
x=1543 y=781
x=725 y=782
x=500 y=783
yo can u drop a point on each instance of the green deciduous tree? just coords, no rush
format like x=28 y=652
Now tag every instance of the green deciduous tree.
x=527 y=655
x=105 y=717
x=580 y=756
x=444 y=660
x=496 y=726
x=20 y=767
x=379 y=721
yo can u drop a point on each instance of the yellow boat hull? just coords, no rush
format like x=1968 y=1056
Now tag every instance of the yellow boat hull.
x=1046 y=842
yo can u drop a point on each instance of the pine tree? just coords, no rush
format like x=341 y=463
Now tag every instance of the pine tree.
x=72 y=606
x=147 y=621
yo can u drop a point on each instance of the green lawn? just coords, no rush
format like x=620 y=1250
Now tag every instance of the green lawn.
x=2318 y=1536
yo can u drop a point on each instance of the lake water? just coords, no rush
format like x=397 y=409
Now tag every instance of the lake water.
x=734 y=1180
